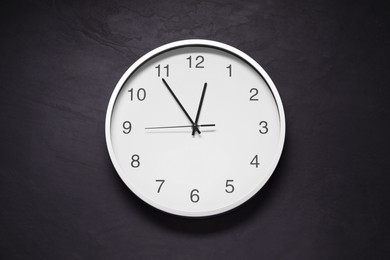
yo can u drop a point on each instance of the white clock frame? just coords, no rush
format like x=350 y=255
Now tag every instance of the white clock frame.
x=189 y=43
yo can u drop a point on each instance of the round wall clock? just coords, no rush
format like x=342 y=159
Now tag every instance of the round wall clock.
x=195 y=128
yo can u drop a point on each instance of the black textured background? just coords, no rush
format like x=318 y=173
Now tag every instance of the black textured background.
x=60 y=197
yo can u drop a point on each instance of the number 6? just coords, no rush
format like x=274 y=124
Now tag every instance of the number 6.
x=194 y=196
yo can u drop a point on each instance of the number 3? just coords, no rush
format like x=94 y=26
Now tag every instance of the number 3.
x=264 y=128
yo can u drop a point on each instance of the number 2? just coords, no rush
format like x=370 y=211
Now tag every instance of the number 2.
x=253 y=97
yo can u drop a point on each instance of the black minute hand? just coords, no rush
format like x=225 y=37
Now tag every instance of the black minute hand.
x=181 y=106
x=200 y=107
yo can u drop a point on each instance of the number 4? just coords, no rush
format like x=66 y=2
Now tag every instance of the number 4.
x=255 y=161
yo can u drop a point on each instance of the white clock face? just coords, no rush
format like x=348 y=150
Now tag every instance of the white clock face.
x=195 y=128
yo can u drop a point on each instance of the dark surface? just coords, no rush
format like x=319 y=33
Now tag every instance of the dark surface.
x=60 y=196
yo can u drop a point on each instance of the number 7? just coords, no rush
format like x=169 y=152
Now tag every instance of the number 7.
x=161 y=184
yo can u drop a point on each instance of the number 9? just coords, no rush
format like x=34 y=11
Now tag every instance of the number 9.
x=126 y=127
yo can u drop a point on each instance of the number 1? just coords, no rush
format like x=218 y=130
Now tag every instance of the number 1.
x=230 y=70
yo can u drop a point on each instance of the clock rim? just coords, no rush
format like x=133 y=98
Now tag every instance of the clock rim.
x=196 y=43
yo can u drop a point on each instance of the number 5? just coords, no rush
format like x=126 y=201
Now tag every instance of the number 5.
x=229 y=187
